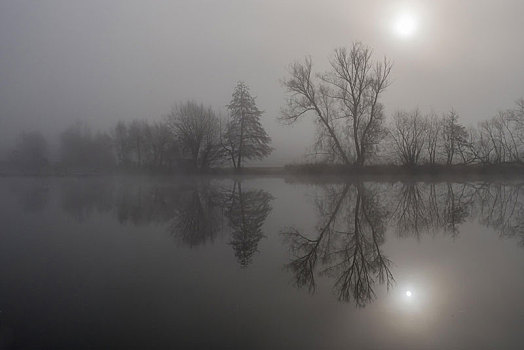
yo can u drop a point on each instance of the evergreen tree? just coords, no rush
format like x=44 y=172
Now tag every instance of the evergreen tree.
x=244 y=137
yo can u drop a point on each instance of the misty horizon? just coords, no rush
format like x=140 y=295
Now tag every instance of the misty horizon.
x=261 y=174
x=100 y=63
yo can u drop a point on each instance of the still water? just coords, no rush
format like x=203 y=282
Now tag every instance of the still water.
x=260 y=263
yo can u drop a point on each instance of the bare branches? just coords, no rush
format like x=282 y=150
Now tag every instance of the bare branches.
x=358 y=83
x=409 y=134
x=197 y=130
x=345 y=101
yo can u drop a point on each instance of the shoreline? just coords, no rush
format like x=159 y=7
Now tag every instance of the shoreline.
x=316 y=171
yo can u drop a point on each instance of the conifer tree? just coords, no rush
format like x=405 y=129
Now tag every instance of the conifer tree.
x=244 y=137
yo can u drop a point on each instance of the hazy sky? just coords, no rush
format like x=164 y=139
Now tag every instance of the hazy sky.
x=101 y=61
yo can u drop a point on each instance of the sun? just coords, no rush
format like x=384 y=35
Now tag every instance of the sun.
x=405 y=25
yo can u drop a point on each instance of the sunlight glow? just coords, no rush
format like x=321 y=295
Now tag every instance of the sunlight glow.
x=405 y=25
x=408 y=293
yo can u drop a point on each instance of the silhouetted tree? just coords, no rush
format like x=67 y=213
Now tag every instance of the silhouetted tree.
x=164 y=152
x=145 y=145
x=358 y=82
x=453 y=134
x=501 y=138
x=197 y=131
x=478 y=147
x=409 y=132
x=244 y=137
x=433 y=136
x=309 y=95
x=345 y=101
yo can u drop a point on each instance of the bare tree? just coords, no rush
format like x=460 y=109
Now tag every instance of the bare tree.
x=433 y=135
x=453 y=135
x=164 y=148
x=345 y=102
x=197 y=130
x=409 y=133
x=308 y=95
x=477 y=148
x=145 y=145
x=497 y=140
x=358 y=82
x=505 y=133
x=245 y=138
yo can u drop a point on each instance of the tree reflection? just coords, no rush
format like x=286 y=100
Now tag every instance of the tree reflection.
x=143 y=205
x=347 y=244
x=412 y=213
x=246 y=212
x=501 y=208
x=194 y=212
x=422 y=208
x=197 y=216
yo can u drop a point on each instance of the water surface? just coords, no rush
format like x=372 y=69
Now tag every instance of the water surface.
x=260 y=263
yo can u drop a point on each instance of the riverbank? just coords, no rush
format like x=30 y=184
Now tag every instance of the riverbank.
x=384 y=172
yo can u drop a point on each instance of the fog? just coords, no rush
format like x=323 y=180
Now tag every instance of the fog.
x=100 y=62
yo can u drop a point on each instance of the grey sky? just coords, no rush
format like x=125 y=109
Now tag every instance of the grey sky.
x=101 y=61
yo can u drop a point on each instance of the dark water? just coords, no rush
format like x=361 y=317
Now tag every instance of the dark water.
x=260 y=264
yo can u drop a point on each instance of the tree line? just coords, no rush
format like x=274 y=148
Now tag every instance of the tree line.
x=191 y=137
x=352 y=129
x=345 y=103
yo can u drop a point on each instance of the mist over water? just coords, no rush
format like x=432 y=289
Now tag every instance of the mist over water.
x=260 y=262
x=100 y=62
x=269 y=174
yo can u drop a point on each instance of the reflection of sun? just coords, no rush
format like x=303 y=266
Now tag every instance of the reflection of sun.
x=408 y=293
x=405 y=25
